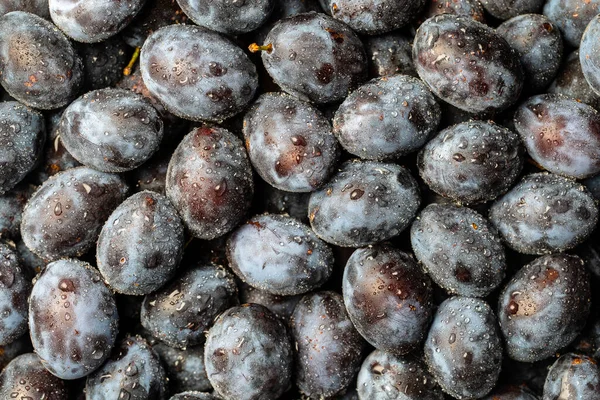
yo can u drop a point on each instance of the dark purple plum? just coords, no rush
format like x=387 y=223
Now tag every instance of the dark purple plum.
x=153 y=173
x=22 y=137
x=506 y=9
x=28 y=260
x=544 y=307
x=573 y=376
x=545 y=213
x=248 y=354
x=38 y=64
x=180 y=312
x=385 y=376
x=11 y=210
x=329 y=349
x=464 y=348
x=374 y=17
x=390 y=54
x=314 y=57
x=11 y=351
x=209 y=181
x=73 y=318
x=539 y=44
x=571 y=82
x=387 y=117
x=154 y=15
x=196 y=73
x=93 y=21
x=571 y=16
x=133 y=372
x=470 y=8
x=290 y=143
x=364 y=203
x=184 y=368
x=26 y=378
x=589 y=54
x=560 y=134
x=467 y=64
x=225 y=16
x=63 y=218
x=459 y=249
x=277 y=201
x=39 y=7
x=472 y=162
x=280 y=255
x=512 y=393
x=282 y=306
x=103 y=62
x=111 y=130
x=141 y=244
x=15 y=287
x=388 y=298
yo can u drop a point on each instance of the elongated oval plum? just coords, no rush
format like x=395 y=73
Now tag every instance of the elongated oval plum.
x=464 y=348
x=467 y=64
x=63 y=218
x=73 y=318
x=141 y=244
x=374 y=17
x=544 y=307
x=15 y=287
x=133 y=371
x=38 y=64
x=314 y=57
x=290 y=143
x=388 y=298
x=22 y=138
x=387 y=117
x=560 y=134
x=209 y=181
x=386 y=376
x=248 y=354
x=472 y=162
x=328 y=347
x=111 y=130
x=545 y=213
x=196 y=73
x=278 y=254
x=364 y=203
x=459 y=249
x=589 y=53
x=180 y=312
x=26 y=378
x=574 y=375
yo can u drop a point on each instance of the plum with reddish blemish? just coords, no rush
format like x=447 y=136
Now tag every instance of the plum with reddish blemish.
x=280 y=255
x=589 y=54
x=385 y=376
x=73 y=318
x=329 y=349
x=467 y=64
x=544 y=307
x=561 y=134
x=539 y=44
x=373 y=17
x=209 y=181
x=459 y=249
x=387 y=118
x=472 y=162
x=575 y=375
x=314 y=57
x=26 y=378
x=571 y=82
x=506 y=9
x=196 y=73
x=388 y=297
x=545 y=213
x=364 y=203
x=180 y=312
x=572 y=17
x=38 y=64
x=464 y=348
x=290 y=143
x=248 y=354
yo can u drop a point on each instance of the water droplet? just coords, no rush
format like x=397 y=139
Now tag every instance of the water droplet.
x=66 y=285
